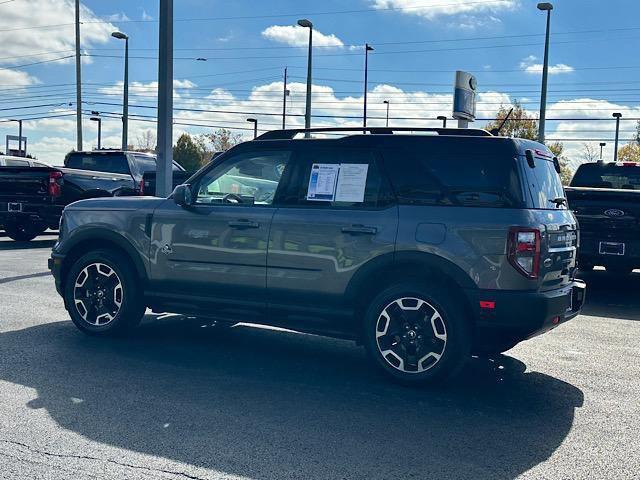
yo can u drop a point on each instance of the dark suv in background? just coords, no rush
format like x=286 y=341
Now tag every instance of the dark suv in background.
x=424 y=248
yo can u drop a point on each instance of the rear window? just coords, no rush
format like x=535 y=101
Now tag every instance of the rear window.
x=10 y=162
x=456 y=179
x=544 y=184
x=607 y=176
x=111 y=163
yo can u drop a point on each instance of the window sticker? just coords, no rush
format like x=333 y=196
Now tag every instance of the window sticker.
x=322 y=182
x=351 y=182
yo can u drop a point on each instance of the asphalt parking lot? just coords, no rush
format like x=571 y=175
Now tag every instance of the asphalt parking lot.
x=179 y=399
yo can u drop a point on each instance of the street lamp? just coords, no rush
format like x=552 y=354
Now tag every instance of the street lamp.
x=444 y=120
x=96 y=118
x=19 y=136
x=386 y=102
x=367 y=48
x=307 y=114
x=602 y=145
x=125 y=103
x=255 y=126
x=545 y=6
x=617 y=116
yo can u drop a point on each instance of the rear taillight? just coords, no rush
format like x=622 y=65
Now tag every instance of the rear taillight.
x=55 y=189
x=524 y=250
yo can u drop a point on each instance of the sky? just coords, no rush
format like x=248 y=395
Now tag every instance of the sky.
x=230 y=59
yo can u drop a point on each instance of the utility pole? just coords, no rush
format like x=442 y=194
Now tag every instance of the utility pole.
x=546 y=6
x=78 y=82
x=164 y=183
x=285 y=93
x=367 y=48
x=615 y=146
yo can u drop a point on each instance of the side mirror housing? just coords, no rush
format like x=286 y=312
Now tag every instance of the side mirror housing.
x=182 y=195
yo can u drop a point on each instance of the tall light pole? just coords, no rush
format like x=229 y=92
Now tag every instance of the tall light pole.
x=125 y=100
x=367 y=48
x=545 y=6
x=255 y=126
x=164 y=176
x=617 y=116
x=78 y=82
x=444 y=120
x=285 y=94
x=602 y=145
x=96 y=118
x=386 y=102
x=307 y=114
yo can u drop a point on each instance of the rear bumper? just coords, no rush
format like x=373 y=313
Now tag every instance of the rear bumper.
x=44 y=213
x=521 y=315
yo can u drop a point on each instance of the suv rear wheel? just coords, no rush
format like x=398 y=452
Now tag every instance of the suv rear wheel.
x=102 y=295
x=416 y=333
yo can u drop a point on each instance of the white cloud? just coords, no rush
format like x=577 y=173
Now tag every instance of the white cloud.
x=528 y=65
x=298 y=36
x=118 y=17
x=60 y=41
x=438 y=8
x=16 y=78
x=146 y=16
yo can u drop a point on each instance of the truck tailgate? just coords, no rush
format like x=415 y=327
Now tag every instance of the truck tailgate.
x=24 y=184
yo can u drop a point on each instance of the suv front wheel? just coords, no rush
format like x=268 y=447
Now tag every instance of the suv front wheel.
x=416 y=333
x=102 y=294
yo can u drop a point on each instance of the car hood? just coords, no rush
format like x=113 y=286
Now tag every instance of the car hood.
x=116 y=203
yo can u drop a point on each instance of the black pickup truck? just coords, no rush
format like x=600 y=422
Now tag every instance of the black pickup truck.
x=32 y=198
x=605 y=198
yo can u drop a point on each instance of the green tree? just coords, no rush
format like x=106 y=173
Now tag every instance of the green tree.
x=186 y=153
x=522 y=125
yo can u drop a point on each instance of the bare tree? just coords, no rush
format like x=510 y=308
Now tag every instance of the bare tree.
x=589 y=153
x=146 y=141
x=219 y=141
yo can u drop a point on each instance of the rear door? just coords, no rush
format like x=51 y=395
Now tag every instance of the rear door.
x=559 y=230
x=337 y=215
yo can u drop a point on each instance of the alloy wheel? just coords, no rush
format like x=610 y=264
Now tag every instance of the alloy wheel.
x=98 y=294
x=411 y=335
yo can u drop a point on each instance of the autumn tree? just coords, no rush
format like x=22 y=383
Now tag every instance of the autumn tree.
x=187 y=153
x=629 y=153
x=521 y=124
x=219 y=141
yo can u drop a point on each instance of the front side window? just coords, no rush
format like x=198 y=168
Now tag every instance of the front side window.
x=248 y=179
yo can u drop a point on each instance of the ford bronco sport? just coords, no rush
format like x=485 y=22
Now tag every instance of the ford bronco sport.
x=425 y=248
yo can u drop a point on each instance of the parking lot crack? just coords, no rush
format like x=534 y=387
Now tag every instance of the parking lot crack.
x=106 y=460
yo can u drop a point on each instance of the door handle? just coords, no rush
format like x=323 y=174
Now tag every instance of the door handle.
x=359 y=230
x=243 y=224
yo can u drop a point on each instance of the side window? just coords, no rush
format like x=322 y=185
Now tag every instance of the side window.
x=249 y=178
x=445 y=178
x=338 y=178
x=10 y=162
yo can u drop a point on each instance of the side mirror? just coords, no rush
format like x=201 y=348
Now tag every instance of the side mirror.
x=182 y=195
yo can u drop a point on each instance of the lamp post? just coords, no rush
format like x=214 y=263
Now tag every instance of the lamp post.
x=444 y=120
x=617 y=116
x=545 y=6
x=255 y=126
x=602 y=145
x=386 y=102
x=96 y=118
x=125 y=102
x=307 y=114
x=367 y=48
x=19 y=136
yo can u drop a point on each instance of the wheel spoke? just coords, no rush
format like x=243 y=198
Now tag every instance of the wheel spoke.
x=98 y=294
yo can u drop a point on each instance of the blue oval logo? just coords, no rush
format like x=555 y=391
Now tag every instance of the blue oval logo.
x=613 y=212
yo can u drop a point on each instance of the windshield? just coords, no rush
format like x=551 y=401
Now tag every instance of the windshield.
x=607 y=176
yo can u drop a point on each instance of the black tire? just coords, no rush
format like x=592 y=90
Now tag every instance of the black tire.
x=619 y=270
x=23 y=231
x=585 y=267
x=441 y=345
x=91 y=305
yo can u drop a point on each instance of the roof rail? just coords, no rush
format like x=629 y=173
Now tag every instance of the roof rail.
x=291 y=133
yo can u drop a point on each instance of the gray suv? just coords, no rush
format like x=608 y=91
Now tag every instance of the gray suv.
x=425 y=248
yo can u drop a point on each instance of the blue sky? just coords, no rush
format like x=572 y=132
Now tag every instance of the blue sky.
x=418 y=44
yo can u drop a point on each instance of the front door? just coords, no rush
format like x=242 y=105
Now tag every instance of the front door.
x=213 y=254
x=339 y=217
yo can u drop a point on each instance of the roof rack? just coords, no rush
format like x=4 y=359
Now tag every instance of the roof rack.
x=291 y=133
